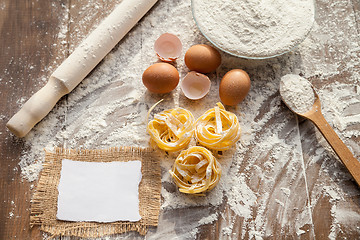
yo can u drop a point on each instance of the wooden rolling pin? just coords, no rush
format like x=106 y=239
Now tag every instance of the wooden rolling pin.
x=79 y=64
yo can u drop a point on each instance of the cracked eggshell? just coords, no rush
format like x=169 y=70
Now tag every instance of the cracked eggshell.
x=195 y=85
x=168 y=47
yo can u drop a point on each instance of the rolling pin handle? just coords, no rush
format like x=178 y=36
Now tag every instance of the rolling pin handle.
x=37 y=107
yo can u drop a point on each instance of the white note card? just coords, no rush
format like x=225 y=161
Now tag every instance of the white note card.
x=99 y=191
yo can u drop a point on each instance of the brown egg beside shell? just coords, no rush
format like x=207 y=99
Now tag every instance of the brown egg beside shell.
x=202 y=58
x=234 y=87
x=160 y=78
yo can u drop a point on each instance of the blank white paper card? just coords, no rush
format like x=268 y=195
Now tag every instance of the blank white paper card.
x=99 y=191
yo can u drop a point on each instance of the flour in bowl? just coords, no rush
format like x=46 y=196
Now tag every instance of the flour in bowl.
x=297 y=93
x=254 y=28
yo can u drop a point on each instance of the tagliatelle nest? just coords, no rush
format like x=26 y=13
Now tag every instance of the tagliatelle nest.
x=217 y=129
x=172 y=129
x=196 y=170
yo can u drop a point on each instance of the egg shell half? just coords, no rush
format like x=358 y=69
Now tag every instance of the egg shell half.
x=160 y=78
x=168 y=47
x=202 y=58
x=195 y=85
x=234 y=87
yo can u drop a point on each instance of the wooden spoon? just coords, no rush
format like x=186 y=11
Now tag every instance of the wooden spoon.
x=345 y=155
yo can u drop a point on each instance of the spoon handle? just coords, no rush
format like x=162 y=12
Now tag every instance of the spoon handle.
x=345 y=155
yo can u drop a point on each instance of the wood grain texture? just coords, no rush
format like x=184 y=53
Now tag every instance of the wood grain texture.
x=36 y=36
x=28 y=32
x=341 y=150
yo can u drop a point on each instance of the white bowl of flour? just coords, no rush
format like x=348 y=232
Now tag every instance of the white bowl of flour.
x=255 y=29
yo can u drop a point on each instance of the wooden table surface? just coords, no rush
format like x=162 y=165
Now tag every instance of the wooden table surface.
x=30 y=50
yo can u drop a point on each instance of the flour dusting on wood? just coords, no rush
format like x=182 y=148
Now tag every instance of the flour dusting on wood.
x=265 y=176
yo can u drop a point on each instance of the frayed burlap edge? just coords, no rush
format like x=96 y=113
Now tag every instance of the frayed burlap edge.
x=44 y=201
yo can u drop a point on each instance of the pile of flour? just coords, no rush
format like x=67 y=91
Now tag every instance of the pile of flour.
x=254 y=28
x=297 y=93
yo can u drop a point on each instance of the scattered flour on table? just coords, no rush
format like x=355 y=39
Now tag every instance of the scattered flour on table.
x=254 y=28
x=11 y=214
x=109 y=109
x=297 y=93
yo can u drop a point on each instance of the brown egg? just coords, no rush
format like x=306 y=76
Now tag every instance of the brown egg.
x=234 y=87
x=202 y=58
x=160 y=78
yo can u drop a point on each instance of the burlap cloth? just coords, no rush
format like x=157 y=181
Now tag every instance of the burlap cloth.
x=44 y=201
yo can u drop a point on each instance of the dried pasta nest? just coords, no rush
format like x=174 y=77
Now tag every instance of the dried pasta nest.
x=217 y=128
x=172 y=129
x=196 y=170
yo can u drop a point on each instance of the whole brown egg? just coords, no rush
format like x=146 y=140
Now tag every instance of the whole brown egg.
x=202 y=58
x=234 y=87
x=160 y=78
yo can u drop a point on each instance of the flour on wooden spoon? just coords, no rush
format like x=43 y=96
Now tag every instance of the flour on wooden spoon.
x=297 y=93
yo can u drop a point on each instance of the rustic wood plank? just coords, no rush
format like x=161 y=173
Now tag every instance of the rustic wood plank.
x=37 y=36
x=29 y=51
x=334 y=194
